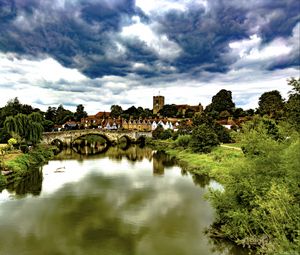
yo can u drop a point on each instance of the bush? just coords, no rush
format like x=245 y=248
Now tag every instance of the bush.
x=183 y=140
x=2 y=181
x=156 y=133
x=222 y=133
x=12 y=142
x=22 y=164
x=166 y=134
x=259 y=206
x=24 y=148
x=203 y=139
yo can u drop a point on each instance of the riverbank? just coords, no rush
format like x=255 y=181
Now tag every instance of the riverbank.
x=216 y=165
x=17 y=165
x=259 y=205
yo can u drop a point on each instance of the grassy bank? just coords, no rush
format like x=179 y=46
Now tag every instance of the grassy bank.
x=259 y=206
x=216 y=164
x=22 y=163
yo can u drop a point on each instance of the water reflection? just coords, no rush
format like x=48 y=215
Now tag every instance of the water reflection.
x=29 y=184
x=110 y=204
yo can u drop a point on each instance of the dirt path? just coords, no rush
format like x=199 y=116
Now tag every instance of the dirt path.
x=230 y=147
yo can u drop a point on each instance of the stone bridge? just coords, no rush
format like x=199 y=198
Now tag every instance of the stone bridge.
x=68 y=137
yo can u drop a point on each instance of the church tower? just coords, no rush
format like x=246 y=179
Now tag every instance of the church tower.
x=158 y=103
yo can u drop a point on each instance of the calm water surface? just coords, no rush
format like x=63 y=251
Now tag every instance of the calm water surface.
x=133 y=202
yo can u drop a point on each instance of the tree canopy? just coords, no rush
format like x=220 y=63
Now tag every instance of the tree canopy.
x=293 y=104
x=116 y=111
x=271 y=103
x=168 y=110
x=25 y=128
x=80 y=112
x=222 y=101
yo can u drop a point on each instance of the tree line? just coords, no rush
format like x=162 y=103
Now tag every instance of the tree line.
x=222 y=106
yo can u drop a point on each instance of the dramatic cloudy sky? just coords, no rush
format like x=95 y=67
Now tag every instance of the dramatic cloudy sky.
x=103 y=52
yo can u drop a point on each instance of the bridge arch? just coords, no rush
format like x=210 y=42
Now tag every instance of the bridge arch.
x=108 y=141
x=58 y=143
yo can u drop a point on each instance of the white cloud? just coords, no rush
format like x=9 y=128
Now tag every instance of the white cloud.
x=46 y=69
x=46 y=82
x=159 y=43
x=252 y=53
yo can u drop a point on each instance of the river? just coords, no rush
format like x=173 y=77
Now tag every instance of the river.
x=121 y=202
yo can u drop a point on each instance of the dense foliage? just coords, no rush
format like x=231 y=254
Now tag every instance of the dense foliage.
x=221 y=103
x=203 y=139
x=23 y=163
x=259 y=206
x=293 y=104
x=271 y=103
x=25 y=128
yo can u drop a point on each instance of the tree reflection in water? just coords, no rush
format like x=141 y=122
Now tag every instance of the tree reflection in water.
x=112 y=210
x=31 y=183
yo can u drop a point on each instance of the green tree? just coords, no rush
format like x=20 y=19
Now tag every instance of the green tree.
x=259 y=206
x=132 y=112
x=25 y=128
x=63 y=115
x=293 y=104
x=12 y=108
x=157 y=132
x=80 y=112
x=189 y=113
x=168 y=110
x=222 y=132
x=203 y=139
x=271 y=103
x=51 y=114
x=48 y=125
x=239 y=112
x=116 y=111
x=222 y=101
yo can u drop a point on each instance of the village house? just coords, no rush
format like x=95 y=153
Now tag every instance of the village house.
x=94 y=121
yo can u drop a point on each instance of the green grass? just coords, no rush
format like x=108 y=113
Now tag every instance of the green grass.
x=22 y=163
x=216 y=164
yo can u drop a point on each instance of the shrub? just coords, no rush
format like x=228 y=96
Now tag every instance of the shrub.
x=156 y=133
x=24 y=148
x=203 y=139
x=12 y=142
x=259 y=206
x=2 y=181
x=222 y=133
x=166 y=134
x=183 y=140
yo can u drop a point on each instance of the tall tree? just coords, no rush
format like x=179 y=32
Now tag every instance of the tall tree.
x=222 y=101
x=168 y=110
x=51 y=114
x=132 y=112
x=62 y=115
x=116 y=111
x=25 y=128
x=293 y=104
x=12 y=108
x=271 y=103
x=80 y=112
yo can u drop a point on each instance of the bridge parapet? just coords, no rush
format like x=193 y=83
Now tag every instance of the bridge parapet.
x=68 y=137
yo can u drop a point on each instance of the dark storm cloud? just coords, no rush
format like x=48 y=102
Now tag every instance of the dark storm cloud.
x=204 y=35
x=84 y=34
x=81 y=29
